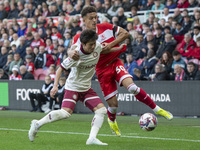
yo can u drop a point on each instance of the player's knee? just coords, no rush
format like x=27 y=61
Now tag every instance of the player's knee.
x=133 y=89
x=101 y=110
x=65 y=114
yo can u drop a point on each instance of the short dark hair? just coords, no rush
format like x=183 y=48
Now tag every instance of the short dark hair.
x=88 y=35
x=88 y=9
x=191 y=63
x=175 y=53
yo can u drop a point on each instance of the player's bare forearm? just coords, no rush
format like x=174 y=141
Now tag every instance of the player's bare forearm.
x=58 y=75
x=113 y=49
x=122 y=35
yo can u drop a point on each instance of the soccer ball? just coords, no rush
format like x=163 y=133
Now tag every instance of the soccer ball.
x=148 y=122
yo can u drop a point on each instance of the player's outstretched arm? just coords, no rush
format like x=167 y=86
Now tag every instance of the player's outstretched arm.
x=113 y=49
x=54 y=90
x=121 y=36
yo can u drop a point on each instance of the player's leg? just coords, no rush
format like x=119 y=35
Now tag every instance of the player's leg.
x=65 y=112
x=142 y=96
x=94 y=103
x=109 y=88
x=111 y=111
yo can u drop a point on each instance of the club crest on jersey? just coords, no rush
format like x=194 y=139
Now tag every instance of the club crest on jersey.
x=102 y=37
x=95 y=54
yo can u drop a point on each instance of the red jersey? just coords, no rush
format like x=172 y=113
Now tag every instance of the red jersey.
x=106 y=34
x=38 y=43
x=30 y=67
x=15 y=77
x=56 y=36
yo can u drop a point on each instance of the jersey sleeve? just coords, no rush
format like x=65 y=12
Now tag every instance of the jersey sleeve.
x=105 y=26
x=68 y=63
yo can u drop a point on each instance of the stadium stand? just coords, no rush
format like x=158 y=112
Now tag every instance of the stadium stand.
x=56 y=21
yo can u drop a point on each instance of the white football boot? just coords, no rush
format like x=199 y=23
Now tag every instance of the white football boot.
x=33 y=130
x=94 y=141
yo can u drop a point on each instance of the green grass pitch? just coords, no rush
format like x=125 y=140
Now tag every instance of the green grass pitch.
x=72 y=133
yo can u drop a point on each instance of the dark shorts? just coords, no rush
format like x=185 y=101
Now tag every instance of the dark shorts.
x=89 y=98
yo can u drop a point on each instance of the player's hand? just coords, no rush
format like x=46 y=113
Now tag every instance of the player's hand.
x=72 y=53
x=53 y=91
x=106 y=46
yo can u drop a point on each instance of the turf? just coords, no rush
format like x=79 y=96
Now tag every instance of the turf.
x=71 y=134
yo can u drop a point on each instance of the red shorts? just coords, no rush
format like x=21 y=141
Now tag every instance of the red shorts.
x=108 y=76
x=89 y=98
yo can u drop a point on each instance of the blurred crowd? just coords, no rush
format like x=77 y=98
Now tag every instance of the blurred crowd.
x=36 y=34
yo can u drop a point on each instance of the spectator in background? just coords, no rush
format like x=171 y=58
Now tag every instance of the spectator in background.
x=29 y=39
x=41 y=58
x=157 y=5
x=3 y=75
x=68 y=39
x=159 y=37
x=25 y=74
x=133 y=13
x=52 y=71
x=15 y=74
x=3 y=56
x=179 y=33
x=187 y=45
x=55 y=11
x=121 y=18
x=196 y=52
x=137 y=72
x=147 y=5
x=138 y=46
x=55 y=34
x=148 y=63
x=61 y=28
x=3 y=12
x=62 y=52
x=112 y=11
x=130 y=65
x=178 y=60
x=99 y=7
x=59 y=95
x=75 y=27
x=150 y=38
x=31 y=11
x=37 y=41
x=168 y=45
x=177 y=15
x=160 y=73
x=16 y=62
x=179 y=72
x=29 y=64
x=13 y=13
x=196 y=31
x=187 y=23
x=137 y=24
x=166 y=13
x=170 y=4
x=183 y=4
x=7 y=65
x=29 y=28
x=167 y=60
x=192 y=72
x=15 y=40
x=22 y=29
x=22 y=47
x=193 y=3
x=42 y=97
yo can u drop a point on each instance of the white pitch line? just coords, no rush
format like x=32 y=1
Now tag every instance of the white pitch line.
x=136 y=137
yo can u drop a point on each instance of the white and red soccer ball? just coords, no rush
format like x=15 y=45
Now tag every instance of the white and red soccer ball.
x=148 y=122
